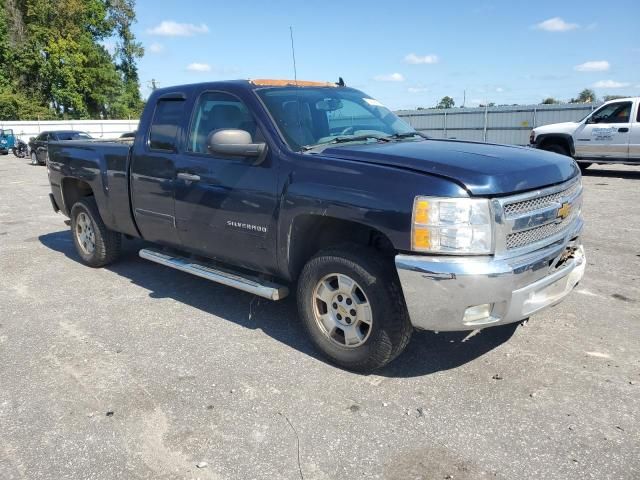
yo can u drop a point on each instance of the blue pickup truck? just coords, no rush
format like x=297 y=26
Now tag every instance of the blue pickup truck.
x=272 y=186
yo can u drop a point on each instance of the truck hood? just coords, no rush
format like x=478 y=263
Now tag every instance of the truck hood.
x=565 y=127
x=483 y=169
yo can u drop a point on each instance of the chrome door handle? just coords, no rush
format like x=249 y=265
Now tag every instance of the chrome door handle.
x=189 y=177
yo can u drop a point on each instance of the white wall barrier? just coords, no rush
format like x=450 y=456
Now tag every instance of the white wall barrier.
x=96 y=128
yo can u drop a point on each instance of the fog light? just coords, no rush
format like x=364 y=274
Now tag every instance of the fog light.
x=477 y=313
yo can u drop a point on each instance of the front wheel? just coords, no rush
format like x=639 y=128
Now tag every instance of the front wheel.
x=352 y=307
x=584 y=165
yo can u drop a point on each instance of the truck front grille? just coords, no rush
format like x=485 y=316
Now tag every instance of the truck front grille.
x=538 y=203
x=527 y=237
x=532 y=220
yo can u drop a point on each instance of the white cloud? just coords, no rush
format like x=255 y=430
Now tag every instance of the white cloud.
x=556 y=24
x=610 y=84
x=199 y=67
x=593 y=66
x=169 y=28
x=499 y=89
x=156 y=48
x=391 y=77
x=414 y=59
x=417 y=89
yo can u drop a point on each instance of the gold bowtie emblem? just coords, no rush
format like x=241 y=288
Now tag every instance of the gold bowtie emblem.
x=564 y=210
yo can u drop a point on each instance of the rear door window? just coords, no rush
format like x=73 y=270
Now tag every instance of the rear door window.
x=165 y=125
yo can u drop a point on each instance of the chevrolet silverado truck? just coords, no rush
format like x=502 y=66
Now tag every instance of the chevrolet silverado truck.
x=275 y=186
x=610 y=134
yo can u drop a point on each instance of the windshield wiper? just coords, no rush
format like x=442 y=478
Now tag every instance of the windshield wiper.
x=356 y=138
x=399 y=136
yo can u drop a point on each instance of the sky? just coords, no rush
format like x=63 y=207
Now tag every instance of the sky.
x=407 y=54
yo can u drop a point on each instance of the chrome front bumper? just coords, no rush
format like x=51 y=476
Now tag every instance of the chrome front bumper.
x=438 y=290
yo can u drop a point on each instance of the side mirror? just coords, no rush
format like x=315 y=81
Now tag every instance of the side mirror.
x=236 y=143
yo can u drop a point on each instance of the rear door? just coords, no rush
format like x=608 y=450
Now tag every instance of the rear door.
x=153 y=171
x=225 y=206
x=605 y=134
x=634 y=137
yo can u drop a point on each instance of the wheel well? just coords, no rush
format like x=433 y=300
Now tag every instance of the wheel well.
x=73 y=190
x=555 y=140
x=311 y=233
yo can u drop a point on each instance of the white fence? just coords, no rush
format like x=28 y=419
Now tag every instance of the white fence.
x=96 y=128
x=508 y=124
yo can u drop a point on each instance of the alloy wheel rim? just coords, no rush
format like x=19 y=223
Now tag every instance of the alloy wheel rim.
x=85 y=234
x=342 y=310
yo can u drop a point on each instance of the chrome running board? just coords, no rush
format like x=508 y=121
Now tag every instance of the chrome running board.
x=242 y=282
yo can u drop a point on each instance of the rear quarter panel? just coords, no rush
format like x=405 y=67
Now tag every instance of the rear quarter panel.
x=102 y=165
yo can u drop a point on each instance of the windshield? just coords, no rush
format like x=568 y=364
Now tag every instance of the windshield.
x=310 y=117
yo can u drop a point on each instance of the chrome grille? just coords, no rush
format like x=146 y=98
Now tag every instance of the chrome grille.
x=526 y=237
x=533 y=220
x=538 y=203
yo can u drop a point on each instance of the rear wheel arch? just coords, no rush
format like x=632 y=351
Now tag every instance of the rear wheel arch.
x=74 y=189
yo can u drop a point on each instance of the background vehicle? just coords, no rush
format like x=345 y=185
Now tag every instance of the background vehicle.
x=39 y=145
x=272 y=185
x=7 y=141
x=610 y=134
x=20 y=149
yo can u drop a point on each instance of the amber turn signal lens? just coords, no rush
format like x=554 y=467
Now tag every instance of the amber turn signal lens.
x=421 y=238
x=421 y=212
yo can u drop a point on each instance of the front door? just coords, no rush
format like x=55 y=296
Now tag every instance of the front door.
x=225 y=206
x=605 y=134
x=153 y=172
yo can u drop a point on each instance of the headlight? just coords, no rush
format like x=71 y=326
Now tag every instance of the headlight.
x=451 y=225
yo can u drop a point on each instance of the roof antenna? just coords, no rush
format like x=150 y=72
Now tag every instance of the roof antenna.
x=293 y=54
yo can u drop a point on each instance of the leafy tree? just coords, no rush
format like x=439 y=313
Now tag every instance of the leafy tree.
x=58 y=60
x=550 y=101
x=585 y=96
x=446 y=102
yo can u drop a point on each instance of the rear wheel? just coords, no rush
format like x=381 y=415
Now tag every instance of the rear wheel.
x=95 y=243
x=352 y=307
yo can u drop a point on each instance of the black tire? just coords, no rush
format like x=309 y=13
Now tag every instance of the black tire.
x=584 y=165
x=390 y=328
x=107 y=243
x=556 y=148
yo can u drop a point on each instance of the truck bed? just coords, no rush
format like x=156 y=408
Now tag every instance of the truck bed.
x=104 y=166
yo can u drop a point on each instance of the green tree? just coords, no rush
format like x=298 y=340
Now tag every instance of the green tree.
x=58 y=59
x=550 y=101
x=585 y=96
x=446 y=102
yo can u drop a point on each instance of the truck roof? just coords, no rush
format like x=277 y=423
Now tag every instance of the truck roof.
x=249 y=83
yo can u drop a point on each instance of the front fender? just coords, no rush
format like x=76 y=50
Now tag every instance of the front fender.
x=376 y=196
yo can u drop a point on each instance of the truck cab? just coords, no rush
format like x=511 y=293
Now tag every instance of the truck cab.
x=609 y=134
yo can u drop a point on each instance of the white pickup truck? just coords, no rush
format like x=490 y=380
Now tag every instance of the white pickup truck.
x=609 y=134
